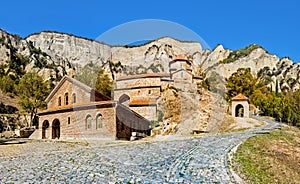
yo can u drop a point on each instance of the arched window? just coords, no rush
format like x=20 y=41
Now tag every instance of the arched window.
x=74 y=98
x=88 y=121
x=59 y=101
x=66 y=98
x=99 y=122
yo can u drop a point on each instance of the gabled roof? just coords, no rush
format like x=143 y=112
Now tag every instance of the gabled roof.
x=77 y=83
x=239 y=97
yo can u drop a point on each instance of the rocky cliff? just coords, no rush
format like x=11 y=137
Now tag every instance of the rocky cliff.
x=54 y=54
x=74 y=52
x=64 y=53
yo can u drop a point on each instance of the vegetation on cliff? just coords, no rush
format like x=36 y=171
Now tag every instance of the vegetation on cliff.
x=236 y=54
x=284 y=107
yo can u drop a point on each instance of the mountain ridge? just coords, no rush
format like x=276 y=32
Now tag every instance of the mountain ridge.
x=70 y=53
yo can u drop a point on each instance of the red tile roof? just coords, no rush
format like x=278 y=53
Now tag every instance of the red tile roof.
x=239 y=97
x=180 y=57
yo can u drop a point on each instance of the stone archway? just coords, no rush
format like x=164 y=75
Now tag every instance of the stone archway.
x=240 y=106
x=239 y=110
x=55 y=129
x=45 y=126
x=124 y=98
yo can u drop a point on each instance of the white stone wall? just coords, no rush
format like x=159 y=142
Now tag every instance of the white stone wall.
x=245 y=105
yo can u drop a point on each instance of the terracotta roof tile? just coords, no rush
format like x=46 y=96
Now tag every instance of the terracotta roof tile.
x=239 y=97
x=180 y=57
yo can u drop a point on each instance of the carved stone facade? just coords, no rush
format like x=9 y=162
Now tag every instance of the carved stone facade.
x=76 y=111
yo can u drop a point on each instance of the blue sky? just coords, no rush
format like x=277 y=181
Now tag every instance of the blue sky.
x=275 y=25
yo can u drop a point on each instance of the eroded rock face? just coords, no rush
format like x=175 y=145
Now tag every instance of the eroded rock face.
x=70 y=53
x=71 y=49
x=67 y=54
x=284 y=71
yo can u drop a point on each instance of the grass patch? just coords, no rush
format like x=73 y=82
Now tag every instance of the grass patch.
x=270 y=158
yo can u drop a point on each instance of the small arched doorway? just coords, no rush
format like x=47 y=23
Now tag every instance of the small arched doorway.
x=45 y=126
x=239 y=110
x=55 y=129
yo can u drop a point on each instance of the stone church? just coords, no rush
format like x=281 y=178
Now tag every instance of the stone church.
x=140 y=92
x=76 y=111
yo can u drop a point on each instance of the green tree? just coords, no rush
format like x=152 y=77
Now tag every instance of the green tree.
x=241 y=81
x=95 y=77
x=32 y=91
x=284 y=107
x=7 y=84
x=88 y=75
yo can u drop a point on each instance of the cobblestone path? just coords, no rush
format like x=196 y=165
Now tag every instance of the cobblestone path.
x=192 y=160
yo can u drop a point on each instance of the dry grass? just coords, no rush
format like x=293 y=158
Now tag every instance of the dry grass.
x=270 y=158
x=231 y=124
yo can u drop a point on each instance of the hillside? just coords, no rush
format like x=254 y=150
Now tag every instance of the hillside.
x=53 y=54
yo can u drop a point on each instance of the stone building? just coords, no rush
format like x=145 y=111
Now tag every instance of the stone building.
x=76 y=111
x=140 y=92
x=240 y=106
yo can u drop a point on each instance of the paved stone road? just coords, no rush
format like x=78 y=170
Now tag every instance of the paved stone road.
x=192 y=160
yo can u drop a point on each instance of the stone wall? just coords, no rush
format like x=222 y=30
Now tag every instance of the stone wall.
x=128 y=122
x=143 y=93
x=139 y=93
x=82 y=96
x=76 y=128
x=149 y=112
x=137 y=82
x=245 y=105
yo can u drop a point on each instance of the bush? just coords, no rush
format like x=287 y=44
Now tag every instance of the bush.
x=7 y=84
x=234 y=55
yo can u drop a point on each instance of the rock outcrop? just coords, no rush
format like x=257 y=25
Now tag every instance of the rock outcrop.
x=53 y=54
x=65 y=53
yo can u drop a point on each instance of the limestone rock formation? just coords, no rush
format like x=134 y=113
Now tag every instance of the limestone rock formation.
x=69 y=53
x=54 y=54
